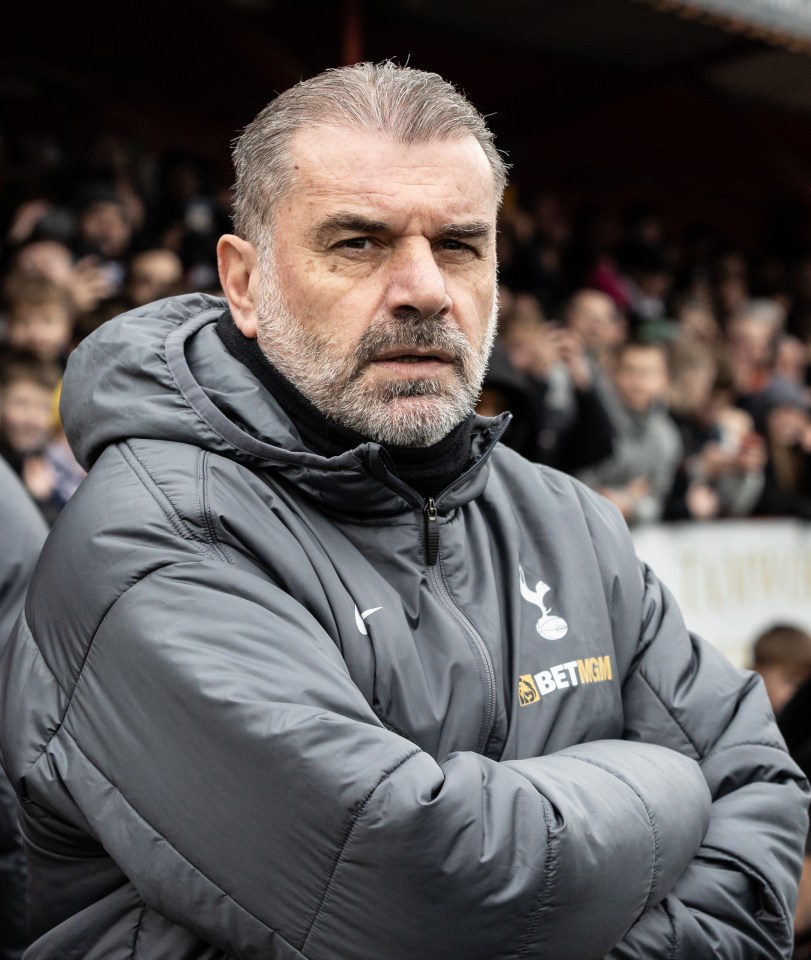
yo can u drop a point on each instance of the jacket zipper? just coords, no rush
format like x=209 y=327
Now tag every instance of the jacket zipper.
x=487 y=674
x=431 y=532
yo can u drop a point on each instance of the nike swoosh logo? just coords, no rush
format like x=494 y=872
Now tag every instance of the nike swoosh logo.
x=361 y=617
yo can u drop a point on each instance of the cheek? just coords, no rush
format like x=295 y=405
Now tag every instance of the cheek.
x=473 y=305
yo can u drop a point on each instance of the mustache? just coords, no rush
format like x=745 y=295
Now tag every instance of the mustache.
x=431 y=333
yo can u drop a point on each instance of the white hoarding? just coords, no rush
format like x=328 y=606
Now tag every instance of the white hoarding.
x=733 y=579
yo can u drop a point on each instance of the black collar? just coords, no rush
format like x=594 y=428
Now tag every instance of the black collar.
x=428 y=470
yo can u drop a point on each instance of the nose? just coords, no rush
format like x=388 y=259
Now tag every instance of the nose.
x=416 y=285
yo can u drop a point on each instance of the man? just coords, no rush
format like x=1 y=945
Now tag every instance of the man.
x=314 y=667
x=594 y=317
x=638 y=475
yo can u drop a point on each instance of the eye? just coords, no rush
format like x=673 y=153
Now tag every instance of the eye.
x=457 y=249
x=355 y=243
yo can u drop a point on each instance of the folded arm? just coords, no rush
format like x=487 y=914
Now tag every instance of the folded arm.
x=736 y=897
x=217 y=747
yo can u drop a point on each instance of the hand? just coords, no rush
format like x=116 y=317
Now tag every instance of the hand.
x=752 y=456
x=715 y=460
x=89 y=284
x=572 y=353
x=626 y=498
x=702 y=501
x=26 y=217
x=38 y=477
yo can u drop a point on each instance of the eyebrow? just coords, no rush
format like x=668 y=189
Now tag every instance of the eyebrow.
x=349 y=222
x=476 y=230
x=345 y=221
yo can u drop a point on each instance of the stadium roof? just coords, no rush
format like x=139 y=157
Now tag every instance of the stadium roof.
x=700 y=104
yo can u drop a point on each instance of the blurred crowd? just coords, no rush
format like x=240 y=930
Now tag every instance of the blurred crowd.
x=670 y=372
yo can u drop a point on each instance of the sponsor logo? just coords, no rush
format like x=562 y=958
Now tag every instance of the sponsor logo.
x=360 y=619
x=548 y=626
x=527 y=691
x=573 y=673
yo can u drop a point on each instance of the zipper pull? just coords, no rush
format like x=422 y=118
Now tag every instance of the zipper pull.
x=431 y=532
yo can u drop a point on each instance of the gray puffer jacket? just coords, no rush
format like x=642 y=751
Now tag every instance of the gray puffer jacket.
x=247 y=716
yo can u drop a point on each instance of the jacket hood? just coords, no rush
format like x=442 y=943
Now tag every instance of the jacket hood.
x=161 y=372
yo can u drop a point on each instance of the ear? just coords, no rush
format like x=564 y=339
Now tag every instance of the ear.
x=239 y=278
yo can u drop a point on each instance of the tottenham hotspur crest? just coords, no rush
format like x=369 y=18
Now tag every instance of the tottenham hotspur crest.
x=548 y=626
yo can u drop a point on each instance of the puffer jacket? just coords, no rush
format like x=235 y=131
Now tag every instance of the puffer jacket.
x=270 y=705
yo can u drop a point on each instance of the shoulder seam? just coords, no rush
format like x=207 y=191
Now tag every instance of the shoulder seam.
x=164 y=503
x=204 y=506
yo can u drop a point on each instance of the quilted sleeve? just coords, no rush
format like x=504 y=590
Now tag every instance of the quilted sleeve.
x=215 y=745
x=736 y=897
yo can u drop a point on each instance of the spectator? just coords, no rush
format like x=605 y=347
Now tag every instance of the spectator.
x=722 y=470
x=794 y=722
x=152 y=275
x=574 y=429
x=86 y=281
x=752 y=333
x=783 y=414
x=27 y=426
x=507 y=389
x=637 y=477
x=599 y=324
x=40 y=319
x=649 y=279
x=697 y=321
x=782 y=657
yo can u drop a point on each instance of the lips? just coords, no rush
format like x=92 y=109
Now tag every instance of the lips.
x=412 y=355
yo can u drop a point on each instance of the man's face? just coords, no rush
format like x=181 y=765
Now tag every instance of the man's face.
x=43 y=328
x=378 y=299
x=153 y=275
x=26 y=415
x=595 y=317
x=641 y=377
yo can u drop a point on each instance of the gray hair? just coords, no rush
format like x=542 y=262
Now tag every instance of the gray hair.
x=407 y=105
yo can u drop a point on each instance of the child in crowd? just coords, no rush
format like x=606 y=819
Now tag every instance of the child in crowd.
x=30 y=437
x=40 y=318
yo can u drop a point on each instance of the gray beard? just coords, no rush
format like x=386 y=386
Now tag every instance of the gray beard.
x=402 y=412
